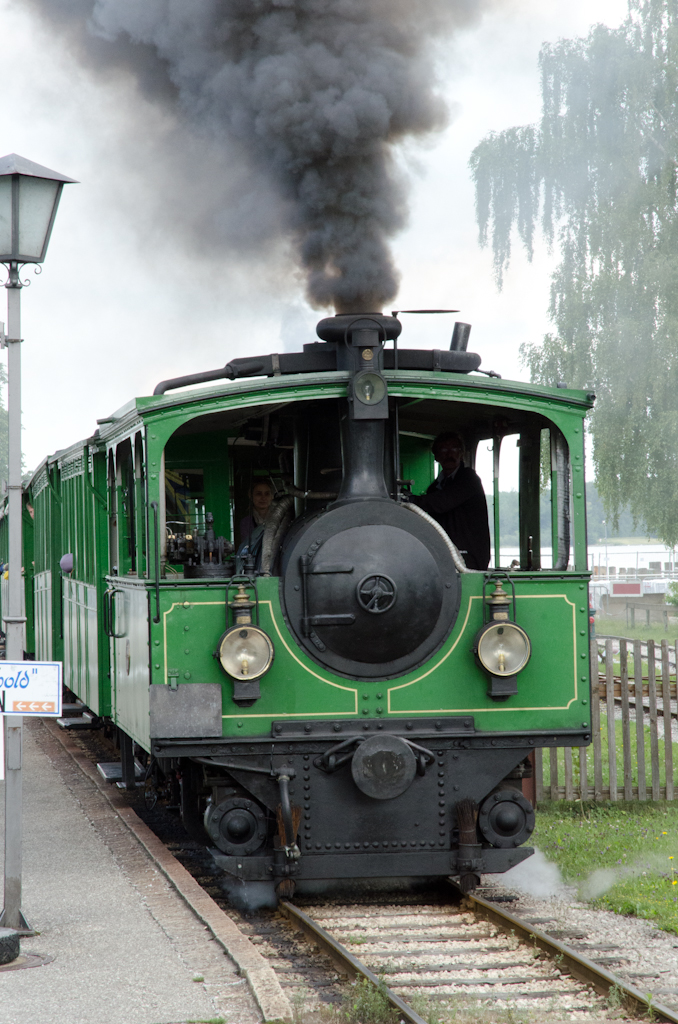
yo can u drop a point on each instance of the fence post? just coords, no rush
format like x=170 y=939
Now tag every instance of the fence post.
x=640 y=717
x=611 y=735
x=654 y=738
x=553 y=752
x=626 y=719
x=666 y=702
x=595 y=725
x=569 y=787
x=583 y=775
x=538 y=774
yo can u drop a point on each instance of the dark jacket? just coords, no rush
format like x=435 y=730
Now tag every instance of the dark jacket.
x=461 y=509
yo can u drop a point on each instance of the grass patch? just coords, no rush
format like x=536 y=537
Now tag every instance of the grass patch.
x=365 y=1004
x=655 y=631
x=368 y=1004
x=620 y=856
x=463 y=1010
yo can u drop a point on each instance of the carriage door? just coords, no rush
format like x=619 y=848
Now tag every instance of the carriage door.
x=127 y=599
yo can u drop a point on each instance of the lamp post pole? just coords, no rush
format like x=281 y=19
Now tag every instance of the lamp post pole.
x=29 y=197
x=12 y=916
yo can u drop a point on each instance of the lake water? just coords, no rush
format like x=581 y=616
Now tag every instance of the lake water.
x=625 y=556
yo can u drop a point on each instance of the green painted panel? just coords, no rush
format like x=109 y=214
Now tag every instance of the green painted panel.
x=548 y=688
x=45 y=499
x=28 y=569
x=183 y=644
x=553 y=689
x=207 y=453
x=417 y=461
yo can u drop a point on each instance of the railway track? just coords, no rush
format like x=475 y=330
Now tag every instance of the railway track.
x=457 y=956
x=431 y=955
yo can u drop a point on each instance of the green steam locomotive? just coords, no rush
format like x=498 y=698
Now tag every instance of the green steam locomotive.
x=337 y=693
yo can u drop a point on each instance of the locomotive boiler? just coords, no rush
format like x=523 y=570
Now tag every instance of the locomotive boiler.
x=340 y=697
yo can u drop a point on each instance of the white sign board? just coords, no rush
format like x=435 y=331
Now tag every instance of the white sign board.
x=30 y=688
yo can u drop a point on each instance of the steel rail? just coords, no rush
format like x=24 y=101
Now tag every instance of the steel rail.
x=345 y=961
x=569 y=960
x=580 y=967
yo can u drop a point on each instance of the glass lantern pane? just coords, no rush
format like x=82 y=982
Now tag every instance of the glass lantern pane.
x=5 y=216
x=36 y=202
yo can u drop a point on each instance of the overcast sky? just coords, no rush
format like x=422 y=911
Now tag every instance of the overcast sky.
x=120 y=306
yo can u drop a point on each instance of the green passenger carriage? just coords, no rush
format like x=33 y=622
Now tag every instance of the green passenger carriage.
x=314 y=740
x=27 y=598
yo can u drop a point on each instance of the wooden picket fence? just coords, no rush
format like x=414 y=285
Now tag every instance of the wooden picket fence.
x=631 y=756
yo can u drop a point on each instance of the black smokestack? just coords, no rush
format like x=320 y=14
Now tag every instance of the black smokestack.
x=299 y=105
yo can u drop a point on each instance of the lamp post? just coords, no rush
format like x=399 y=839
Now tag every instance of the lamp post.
x=29 y=197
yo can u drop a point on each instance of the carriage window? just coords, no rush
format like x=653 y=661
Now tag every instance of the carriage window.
x=214 y=467
x=126 y=509
x=185 y=500
x=197 y=507
x=526 y=479
x=531 y=520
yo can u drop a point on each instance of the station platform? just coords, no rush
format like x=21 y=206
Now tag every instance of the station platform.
x=124 y=946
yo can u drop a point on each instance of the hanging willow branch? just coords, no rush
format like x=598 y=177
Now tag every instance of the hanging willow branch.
x=598 y=175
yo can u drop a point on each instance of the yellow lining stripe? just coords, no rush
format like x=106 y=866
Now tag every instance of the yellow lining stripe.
x=329 y=682
x=441 y=711
x=400 y=686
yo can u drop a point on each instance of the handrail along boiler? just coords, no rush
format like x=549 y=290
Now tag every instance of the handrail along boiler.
x=334 y=695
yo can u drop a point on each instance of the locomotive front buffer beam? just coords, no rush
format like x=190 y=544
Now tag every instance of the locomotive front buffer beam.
x=321 y=801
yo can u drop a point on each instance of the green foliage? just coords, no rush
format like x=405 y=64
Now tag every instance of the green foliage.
x=368 y=1004
x=601 y=172
x=672 y=594
x=621 y=855
x=465 y=1010
x=595 y=515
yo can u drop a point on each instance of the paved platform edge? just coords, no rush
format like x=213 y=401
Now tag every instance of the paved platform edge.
x=263 y=983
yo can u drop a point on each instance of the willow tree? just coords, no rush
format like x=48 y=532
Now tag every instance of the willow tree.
x=599 y=176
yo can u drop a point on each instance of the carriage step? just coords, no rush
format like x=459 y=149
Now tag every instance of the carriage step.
x=111 y=771
x=81 y=722
x=72 y=710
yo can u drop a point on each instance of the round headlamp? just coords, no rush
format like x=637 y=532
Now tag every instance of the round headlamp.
x=245 y=652
x=503 y=648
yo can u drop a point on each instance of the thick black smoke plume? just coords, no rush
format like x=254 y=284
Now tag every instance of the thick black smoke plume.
x=303 y=100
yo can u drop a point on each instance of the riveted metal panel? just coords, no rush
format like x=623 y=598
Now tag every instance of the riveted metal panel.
x=192 y=710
